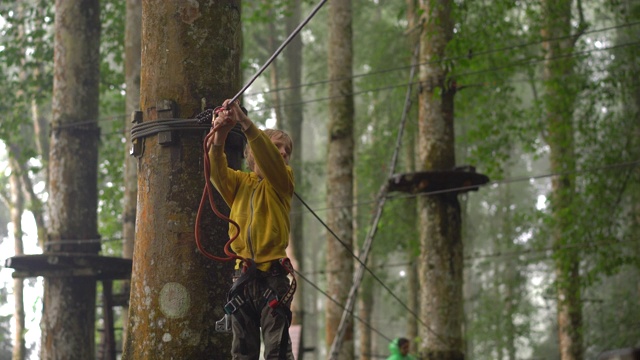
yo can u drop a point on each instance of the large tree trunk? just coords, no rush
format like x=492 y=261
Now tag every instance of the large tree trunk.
x=560 y=95
x=70 y=303
x=441 y=263
x=410 y=151
x=190 y=52
x=340 y=172
x=132 y=47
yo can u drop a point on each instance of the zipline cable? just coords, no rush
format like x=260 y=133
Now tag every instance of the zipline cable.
x=521 y=62
x=451 y=59
x=315 y=286
x=279 y=50
x=381 y=200
x=491 y=183
x=633 y=163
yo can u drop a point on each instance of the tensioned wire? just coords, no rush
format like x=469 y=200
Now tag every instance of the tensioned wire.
x=438 y=192
x=498 y=254
x=518 y=63
x=490 y=183
x=372 y=90
x=381 y=199
x=462 y=57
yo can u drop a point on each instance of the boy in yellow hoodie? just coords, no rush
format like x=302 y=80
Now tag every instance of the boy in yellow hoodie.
x=260 y=201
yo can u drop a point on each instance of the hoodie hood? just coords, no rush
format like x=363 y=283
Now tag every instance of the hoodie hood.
x=394 y=349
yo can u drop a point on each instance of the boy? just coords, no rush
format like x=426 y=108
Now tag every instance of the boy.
x=260 y=202
x=399 y=349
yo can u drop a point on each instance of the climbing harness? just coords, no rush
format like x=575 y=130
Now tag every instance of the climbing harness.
x=279 y=304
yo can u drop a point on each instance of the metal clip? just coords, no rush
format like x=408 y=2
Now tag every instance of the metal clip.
x=224 y=324
x=233 y=305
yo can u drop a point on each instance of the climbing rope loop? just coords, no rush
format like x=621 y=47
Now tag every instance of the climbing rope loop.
x=207 y=195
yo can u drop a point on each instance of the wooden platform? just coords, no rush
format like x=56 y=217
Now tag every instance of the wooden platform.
x=458 y=180
x=70 y=265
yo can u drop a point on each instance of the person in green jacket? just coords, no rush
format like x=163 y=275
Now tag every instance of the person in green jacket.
x=260 y=201
x=399 y=349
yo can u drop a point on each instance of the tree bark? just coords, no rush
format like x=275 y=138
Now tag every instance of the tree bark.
x=190 y=53
x=410 y=151
x=69 y=303
x=340 y=171
x=132 y=47
x=441 y=263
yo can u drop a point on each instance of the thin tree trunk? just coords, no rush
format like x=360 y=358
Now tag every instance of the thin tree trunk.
x=559 y=100
x=190 y=52
x=274 y=76
x=293 y=125
x=17 y=208
x=69 y=303
x=509 y=276
x=340 y=172
x=41 y=129
x=366 y=303
x=441 y=263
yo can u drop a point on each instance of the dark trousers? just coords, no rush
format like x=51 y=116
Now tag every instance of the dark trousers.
x=256 y=314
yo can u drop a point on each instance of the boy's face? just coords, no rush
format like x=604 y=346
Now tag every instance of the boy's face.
x=283 y=146
x=404 y=349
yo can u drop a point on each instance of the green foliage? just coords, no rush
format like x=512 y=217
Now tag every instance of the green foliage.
x=5 y=337
x=379 y=106
x=611 y=314
x=489 y=111
x=112 y=123
x=111 y=189
x=112 y=16
x=26 y=39
x=264 y=11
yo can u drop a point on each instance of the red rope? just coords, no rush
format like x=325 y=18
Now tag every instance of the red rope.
x=207 y=193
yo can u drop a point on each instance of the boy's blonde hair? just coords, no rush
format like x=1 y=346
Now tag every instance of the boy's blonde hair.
x=273 y=134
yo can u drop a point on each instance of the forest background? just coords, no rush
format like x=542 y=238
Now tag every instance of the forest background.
x=497 y=61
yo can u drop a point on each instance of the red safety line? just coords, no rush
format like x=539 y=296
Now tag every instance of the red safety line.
x=207 y=193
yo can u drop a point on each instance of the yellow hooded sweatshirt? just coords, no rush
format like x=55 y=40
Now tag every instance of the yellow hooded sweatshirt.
x=259 y=206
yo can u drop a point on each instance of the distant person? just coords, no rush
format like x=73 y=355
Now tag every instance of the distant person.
x=399 y=349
